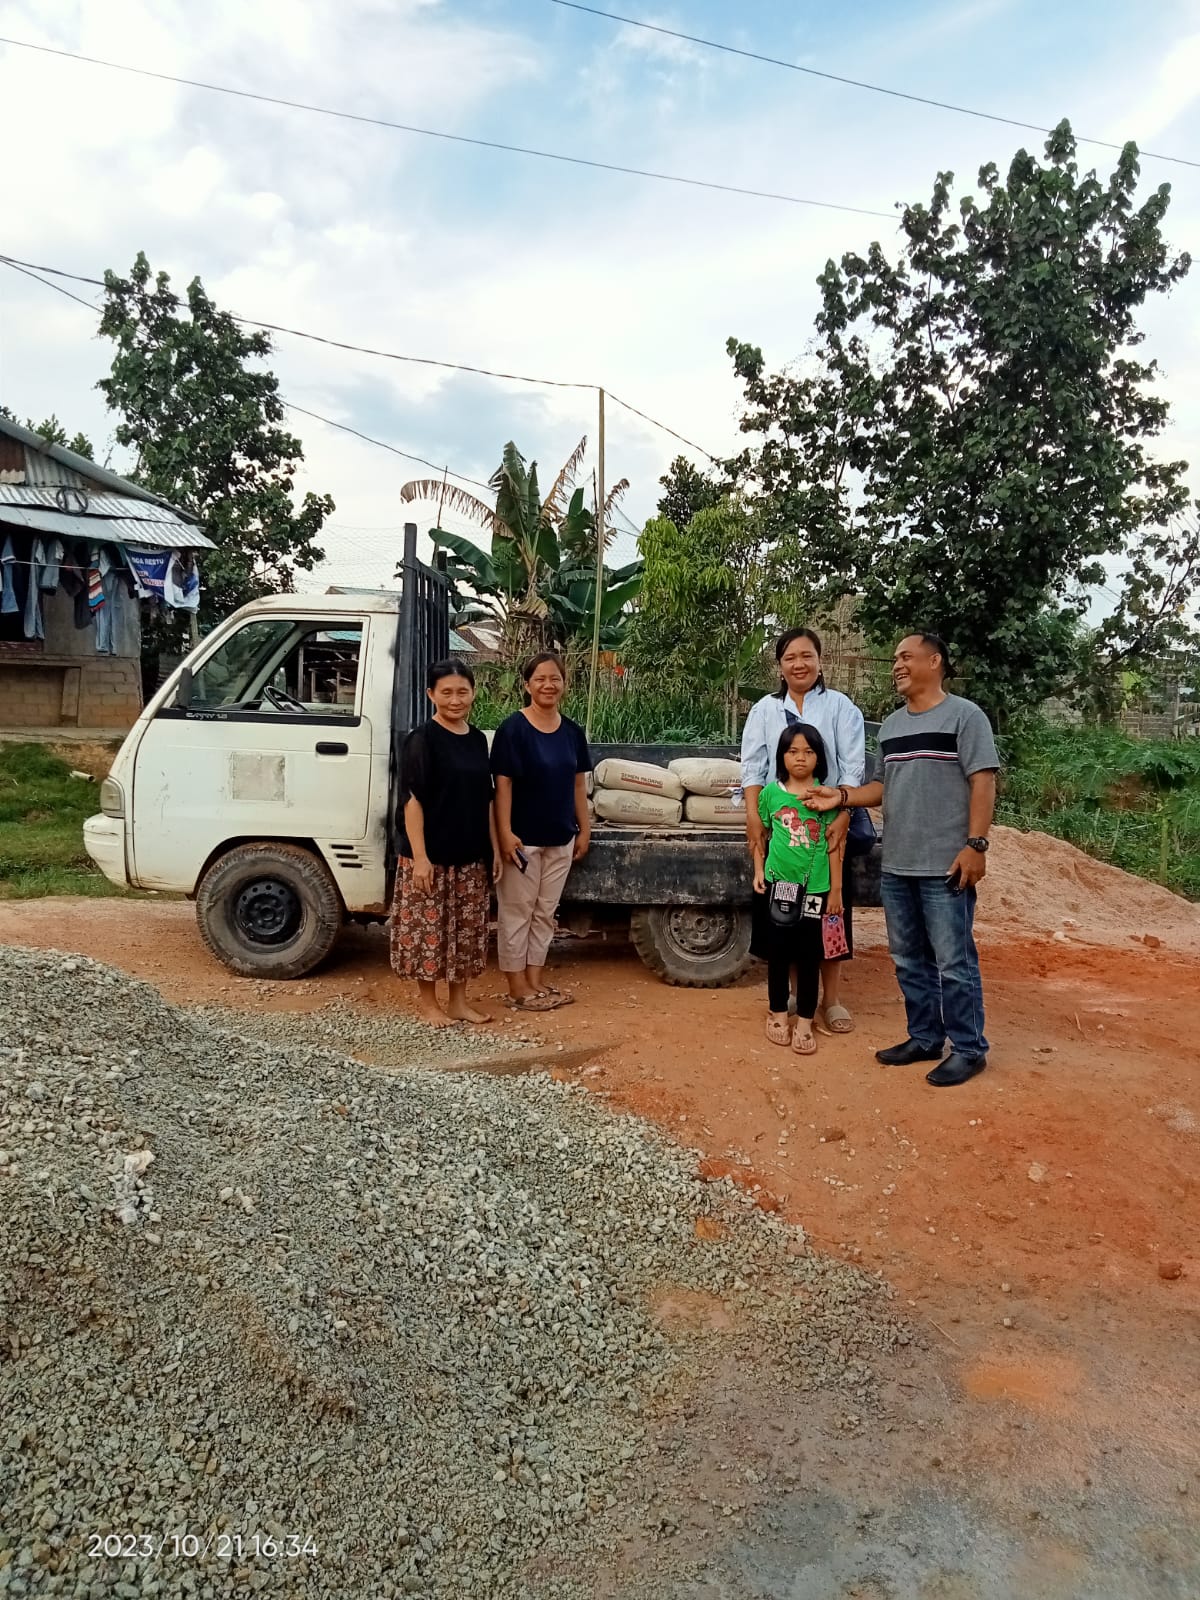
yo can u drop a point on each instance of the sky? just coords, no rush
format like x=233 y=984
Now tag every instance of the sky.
x=424 y=247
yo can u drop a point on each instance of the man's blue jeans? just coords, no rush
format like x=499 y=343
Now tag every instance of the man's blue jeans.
x=930 y=937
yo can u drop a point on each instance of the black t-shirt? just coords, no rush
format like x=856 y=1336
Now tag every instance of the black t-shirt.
x=449 y=774
x=543 y=768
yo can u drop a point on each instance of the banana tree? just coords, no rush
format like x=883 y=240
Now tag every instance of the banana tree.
x=538 y=580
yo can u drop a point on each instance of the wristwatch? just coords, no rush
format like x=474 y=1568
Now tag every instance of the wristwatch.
x=978 y=844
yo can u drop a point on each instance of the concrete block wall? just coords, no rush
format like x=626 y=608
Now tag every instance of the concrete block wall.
x=30 y=697
x=102 y=693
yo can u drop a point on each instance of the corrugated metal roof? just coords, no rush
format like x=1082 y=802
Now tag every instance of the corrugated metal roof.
x=42 y=470
x=155 y=535
x=51 y=456
x=78 y=501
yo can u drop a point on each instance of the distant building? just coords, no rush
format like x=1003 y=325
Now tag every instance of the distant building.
x=82 y=551
x=482 y=639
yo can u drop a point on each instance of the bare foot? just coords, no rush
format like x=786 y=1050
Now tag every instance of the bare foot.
x=432 y=1014
x=468 y=1013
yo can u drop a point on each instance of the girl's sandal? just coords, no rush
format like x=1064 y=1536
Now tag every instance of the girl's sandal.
x=804 y=1042
x=779 y=1029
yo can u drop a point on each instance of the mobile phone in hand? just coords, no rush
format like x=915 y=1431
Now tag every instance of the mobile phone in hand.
x=522 y=860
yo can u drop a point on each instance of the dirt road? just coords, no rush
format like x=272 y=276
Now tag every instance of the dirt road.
x=1041 y=1225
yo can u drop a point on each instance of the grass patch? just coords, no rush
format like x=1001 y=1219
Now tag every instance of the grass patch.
x=1132 y=802
x=635 y=715
x=42 y=811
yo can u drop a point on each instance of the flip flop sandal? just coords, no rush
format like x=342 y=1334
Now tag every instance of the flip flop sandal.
x=539 y=1002
x=838 y=1020
x=779 y=1030
x=804 y=1044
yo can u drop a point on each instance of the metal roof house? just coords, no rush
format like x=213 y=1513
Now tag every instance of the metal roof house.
x=81 y=552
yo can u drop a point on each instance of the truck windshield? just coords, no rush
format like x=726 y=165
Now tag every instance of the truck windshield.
x=306 y=665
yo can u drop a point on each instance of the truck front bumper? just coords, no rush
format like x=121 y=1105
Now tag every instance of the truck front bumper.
x=104 y=841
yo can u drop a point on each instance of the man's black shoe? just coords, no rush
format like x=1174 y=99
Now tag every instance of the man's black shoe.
x=955 y=1069
x=903 y=1055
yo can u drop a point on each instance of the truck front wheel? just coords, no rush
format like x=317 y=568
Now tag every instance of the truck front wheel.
x=269 y=910
x=696 y=947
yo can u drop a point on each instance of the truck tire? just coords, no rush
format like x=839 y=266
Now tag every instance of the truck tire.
x=269 y=910
x=695 y=947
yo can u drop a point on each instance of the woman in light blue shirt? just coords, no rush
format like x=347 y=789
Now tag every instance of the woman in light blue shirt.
x=802 y=696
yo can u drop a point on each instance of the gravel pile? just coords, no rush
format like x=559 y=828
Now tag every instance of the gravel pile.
x=278 y=1323
x=389 y=1038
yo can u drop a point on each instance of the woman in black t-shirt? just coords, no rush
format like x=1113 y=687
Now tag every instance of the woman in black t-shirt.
x=540 y=760
x=447 y=850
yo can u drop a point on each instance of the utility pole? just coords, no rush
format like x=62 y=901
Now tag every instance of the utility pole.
x=591 y=705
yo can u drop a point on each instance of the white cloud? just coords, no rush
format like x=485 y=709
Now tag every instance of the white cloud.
x=384 y=239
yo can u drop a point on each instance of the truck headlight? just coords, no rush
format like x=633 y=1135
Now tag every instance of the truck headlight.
x=112 y=798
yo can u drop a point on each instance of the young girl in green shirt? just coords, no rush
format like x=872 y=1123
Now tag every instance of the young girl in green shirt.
x=797 y=883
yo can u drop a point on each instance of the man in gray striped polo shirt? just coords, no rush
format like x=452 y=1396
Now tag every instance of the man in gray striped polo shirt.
x=935 y=775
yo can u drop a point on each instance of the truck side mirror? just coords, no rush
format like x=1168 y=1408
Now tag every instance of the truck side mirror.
x=183 y=690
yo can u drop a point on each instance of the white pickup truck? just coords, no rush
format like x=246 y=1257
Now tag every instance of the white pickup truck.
x=261 y=779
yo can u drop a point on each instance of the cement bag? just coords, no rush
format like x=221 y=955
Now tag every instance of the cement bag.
x=701 y=776
x=714 y=810
x=645 y=810
x=638 y=777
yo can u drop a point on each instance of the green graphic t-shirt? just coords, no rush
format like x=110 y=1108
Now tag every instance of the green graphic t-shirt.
x=798 y=852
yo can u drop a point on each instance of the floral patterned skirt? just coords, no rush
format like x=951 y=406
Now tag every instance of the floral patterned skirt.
x=443 y=934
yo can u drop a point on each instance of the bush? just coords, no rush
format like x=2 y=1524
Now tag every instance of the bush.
x=1132 y=802
x=633 y=714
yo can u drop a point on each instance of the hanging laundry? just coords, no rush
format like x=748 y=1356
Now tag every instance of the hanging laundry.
x=74 y=579
x=49 y=575
x=103 y=579
x=8 y=568
x=149 y=568
x=169 y=576
x=16 y=579
x=34 y=628
x=182 y=586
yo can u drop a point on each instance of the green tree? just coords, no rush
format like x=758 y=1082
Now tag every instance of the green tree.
x=686 y=490
x=1149 y=628
x=705 y=600
x=203 y=417
x=53 y=432
x=538 y=579
x=972 y=439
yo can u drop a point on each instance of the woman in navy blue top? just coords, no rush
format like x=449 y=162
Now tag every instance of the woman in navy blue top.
x=540 y=760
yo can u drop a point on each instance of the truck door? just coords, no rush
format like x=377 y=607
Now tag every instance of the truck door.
x=271 y=742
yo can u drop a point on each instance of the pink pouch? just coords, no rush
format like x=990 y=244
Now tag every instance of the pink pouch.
x=833 y=937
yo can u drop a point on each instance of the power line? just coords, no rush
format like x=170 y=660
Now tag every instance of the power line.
x=438 y=133
x=21 y=267
x=854 y=83
x=383 y=445
x=420 y=361
x=316 y=416
x=58 y=272
x=31 y=268
x=616 y=398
